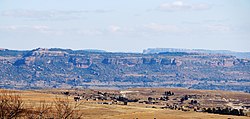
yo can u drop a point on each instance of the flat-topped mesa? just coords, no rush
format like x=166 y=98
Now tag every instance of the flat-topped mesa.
x=36 y=54
x=60 y=67
x=46 y=52
x=200 y=51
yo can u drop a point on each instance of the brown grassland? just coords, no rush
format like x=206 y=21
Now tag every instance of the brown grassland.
x=35 y=99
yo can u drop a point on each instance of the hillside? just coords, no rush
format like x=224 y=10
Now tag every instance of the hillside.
x=65 y=68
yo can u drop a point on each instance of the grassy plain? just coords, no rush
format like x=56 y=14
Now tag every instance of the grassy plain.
x=92 y=110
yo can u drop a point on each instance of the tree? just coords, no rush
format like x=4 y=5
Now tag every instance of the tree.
x=11 y=106
x=64 y=110
x=235 y=112
x=209 y=110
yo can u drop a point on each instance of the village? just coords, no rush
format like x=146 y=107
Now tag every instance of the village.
x=217 y=103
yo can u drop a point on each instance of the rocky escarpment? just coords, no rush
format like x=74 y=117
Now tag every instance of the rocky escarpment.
x=46 y=68
x=224 y=52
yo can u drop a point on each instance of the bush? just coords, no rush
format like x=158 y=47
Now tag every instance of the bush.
x=64 y=110
x=12 y=107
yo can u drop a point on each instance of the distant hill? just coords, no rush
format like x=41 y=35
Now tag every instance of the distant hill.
x=66 y=68
x=224 y=52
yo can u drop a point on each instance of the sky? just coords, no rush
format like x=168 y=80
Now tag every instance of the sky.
x=125 y=25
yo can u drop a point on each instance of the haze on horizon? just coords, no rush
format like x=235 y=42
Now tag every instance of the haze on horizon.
x=125 y=25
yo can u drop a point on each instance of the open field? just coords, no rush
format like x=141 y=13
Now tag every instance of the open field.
x=91 y=109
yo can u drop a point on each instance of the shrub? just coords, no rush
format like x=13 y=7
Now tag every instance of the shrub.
x=11 y=106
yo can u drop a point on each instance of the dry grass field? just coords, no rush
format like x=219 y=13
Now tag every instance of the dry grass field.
x=93 y=110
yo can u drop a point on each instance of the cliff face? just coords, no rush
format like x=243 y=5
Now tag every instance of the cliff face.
x=46 y=68
x=225 y=52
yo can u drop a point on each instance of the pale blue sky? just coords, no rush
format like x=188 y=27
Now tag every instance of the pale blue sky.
x=125 y=25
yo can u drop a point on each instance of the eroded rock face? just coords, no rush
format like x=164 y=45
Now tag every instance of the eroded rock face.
x=81 y=62
x=25 y=61
x=131 y=61
x=245 y=62
x=228 y=63
x=139 y=60
x=166 y=61
x=135 y=61
x=109 y=61
x=151 y=61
